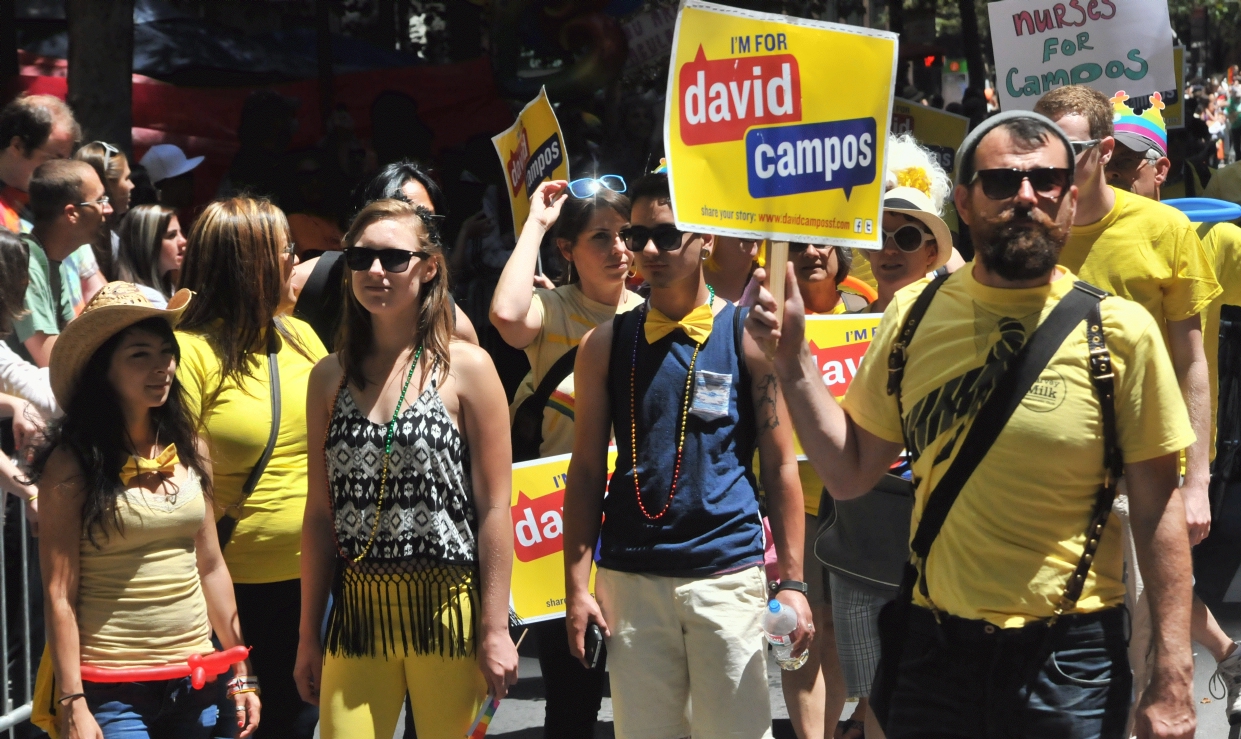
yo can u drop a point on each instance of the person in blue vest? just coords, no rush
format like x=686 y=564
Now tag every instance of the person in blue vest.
x=680 y=587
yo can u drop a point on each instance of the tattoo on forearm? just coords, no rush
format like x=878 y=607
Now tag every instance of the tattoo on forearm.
x=768 y=390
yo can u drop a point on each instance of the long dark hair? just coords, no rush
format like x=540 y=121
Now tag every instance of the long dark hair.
x=389 y=184
x=93 y=431
x=232 y=263
x=435 y=305
x=141 y=241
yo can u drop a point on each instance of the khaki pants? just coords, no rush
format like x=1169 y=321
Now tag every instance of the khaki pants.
x=687 y=655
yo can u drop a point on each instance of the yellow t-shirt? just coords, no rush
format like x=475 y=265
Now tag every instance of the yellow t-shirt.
x=267 y=543
x=1222 y=242
x=1147 y=252
x=1017 y=530
x=567 y=315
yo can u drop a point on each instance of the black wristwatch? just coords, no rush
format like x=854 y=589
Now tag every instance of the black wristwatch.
x=797 y=585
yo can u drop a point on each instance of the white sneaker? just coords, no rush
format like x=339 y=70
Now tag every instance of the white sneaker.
x=1228 y=674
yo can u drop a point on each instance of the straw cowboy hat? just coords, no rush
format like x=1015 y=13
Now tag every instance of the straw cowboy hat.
x=914 y=203
x=116 y=307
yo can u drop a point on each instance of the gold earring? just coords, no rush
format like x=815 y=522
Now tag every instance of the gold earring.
x=706 y=255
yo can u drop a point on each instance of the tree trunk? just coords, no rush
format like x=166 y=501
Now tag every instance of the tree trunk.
x=101 y=66
x=8 y=46
x=973 y=46
x=323 y=53
x=896 y=16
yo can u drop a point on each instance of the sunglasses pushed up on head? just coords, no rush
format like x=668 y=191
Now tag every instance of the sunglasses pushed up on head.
x=590 y=186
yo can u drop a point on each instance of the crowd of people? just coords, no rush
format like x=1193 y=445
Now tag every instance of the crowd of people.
x=267 y=425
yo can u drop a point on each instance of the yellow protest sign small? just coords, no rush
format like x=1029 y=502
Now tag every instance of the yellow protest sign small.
x=937 y=130
x=538 y=537
x=531 y=151
x=776 y=127
x=838 y=344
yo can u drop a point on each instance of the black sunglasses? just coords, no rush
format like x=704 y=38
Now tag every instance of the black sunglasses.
x=360 y=258
x=1002 y=184
x=666 y=237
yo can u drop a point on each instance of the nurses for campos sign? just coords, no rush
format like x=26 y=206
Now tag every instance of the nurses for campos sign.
x=776 y=127
x=1108 y=45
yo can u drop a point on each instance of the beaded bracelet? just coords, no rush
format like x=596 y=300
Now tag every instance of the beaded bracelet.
x=72 y=696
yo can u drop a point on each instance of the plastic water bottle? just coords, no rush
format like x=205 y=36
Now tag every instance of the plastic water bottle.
x=779 y=622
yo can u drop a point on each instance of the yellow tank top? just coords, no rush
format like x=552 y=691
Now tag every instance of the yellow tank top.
x=140 y=600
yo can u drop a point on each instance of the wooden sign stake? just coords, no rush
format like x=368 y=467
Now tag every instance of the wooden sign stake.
x=777 y=266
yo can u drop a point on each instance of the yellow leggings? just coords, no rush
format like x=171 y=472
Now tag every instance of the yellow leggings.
x=361 y=697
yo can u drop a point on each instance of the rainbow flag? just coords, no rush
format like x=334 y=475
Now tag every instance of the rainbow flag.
x=478 y=729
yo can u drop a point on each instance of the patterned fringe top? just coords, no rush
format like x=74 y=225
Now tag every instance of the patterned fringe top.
x=408 y=590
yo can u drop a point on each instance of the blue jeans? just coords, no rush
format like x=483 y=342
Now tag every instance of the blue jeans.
x=964 y=679
x=160 y=709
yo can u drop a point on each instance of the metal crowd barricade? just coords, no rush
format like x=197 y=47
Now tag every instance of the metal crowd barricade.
x=17 y=670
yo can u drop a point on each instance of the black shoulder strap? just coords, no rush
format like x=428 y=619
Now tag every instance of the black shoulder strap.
x=527 y=428
x=273 y=376
x=1011 y=387
x=898 y=357
x=318 y=303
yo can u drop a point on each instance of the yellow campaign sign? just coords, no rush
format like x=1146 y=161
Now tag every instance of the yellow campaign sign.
x=776 y=127
x=838 y=344
x=537 y=512
x=531 y=151
x=937 y=130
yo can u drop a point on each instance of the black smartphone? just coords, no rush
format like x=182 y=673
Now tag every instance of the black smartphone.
x=594 y=645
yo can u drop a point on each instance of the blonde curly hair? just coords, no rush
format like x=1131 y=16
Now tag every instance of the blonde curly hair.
x=912 y=165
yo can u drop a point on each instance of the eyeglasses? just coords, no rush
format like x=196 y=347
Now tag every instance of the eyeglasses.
x=1002 y=184
x=589 y=186
x=1129 y=162
x=908 y=238
x=666 y=237
x=361 y=258
x=1081 y=147
x=290 y=248
x=100 y=202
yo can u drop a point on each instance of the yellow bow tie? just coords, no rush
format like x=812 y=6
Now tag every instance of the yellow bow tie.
x=696 y=325
x=164 y=464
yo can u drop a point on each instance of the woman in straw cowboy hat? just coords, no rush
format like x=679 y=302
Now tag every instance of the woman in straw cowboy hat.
x=132 y=571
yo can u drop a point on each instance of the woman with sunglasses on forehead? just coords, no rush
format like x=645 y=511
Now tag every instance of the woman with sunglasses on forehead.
x=586 y=217
x=407 y=523
x=112 y=166
x=251 y=411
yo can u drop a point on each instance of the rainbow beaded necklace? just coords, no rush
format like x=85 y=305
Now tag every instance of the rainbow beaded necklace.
x=633 y=416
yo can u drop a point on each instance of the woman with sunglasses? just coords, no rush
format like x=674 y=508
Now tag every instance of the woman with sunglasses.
x=112 y=166
x=407 y=524
x=587 y=217
x=152 y=248
x=238 y=263
x=912 y=237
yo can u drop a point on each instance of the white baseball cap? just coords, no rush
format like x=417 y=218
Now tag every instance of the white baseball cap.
x=167 y=160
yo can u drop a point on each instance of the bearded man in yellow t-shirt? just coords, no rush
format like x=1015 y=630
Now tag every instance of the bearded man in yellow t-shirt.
x=980 y=657
x=1142 y=167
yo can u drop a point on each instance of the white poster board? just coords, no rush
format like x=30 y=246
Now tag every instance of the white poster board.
x=1109 y=45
